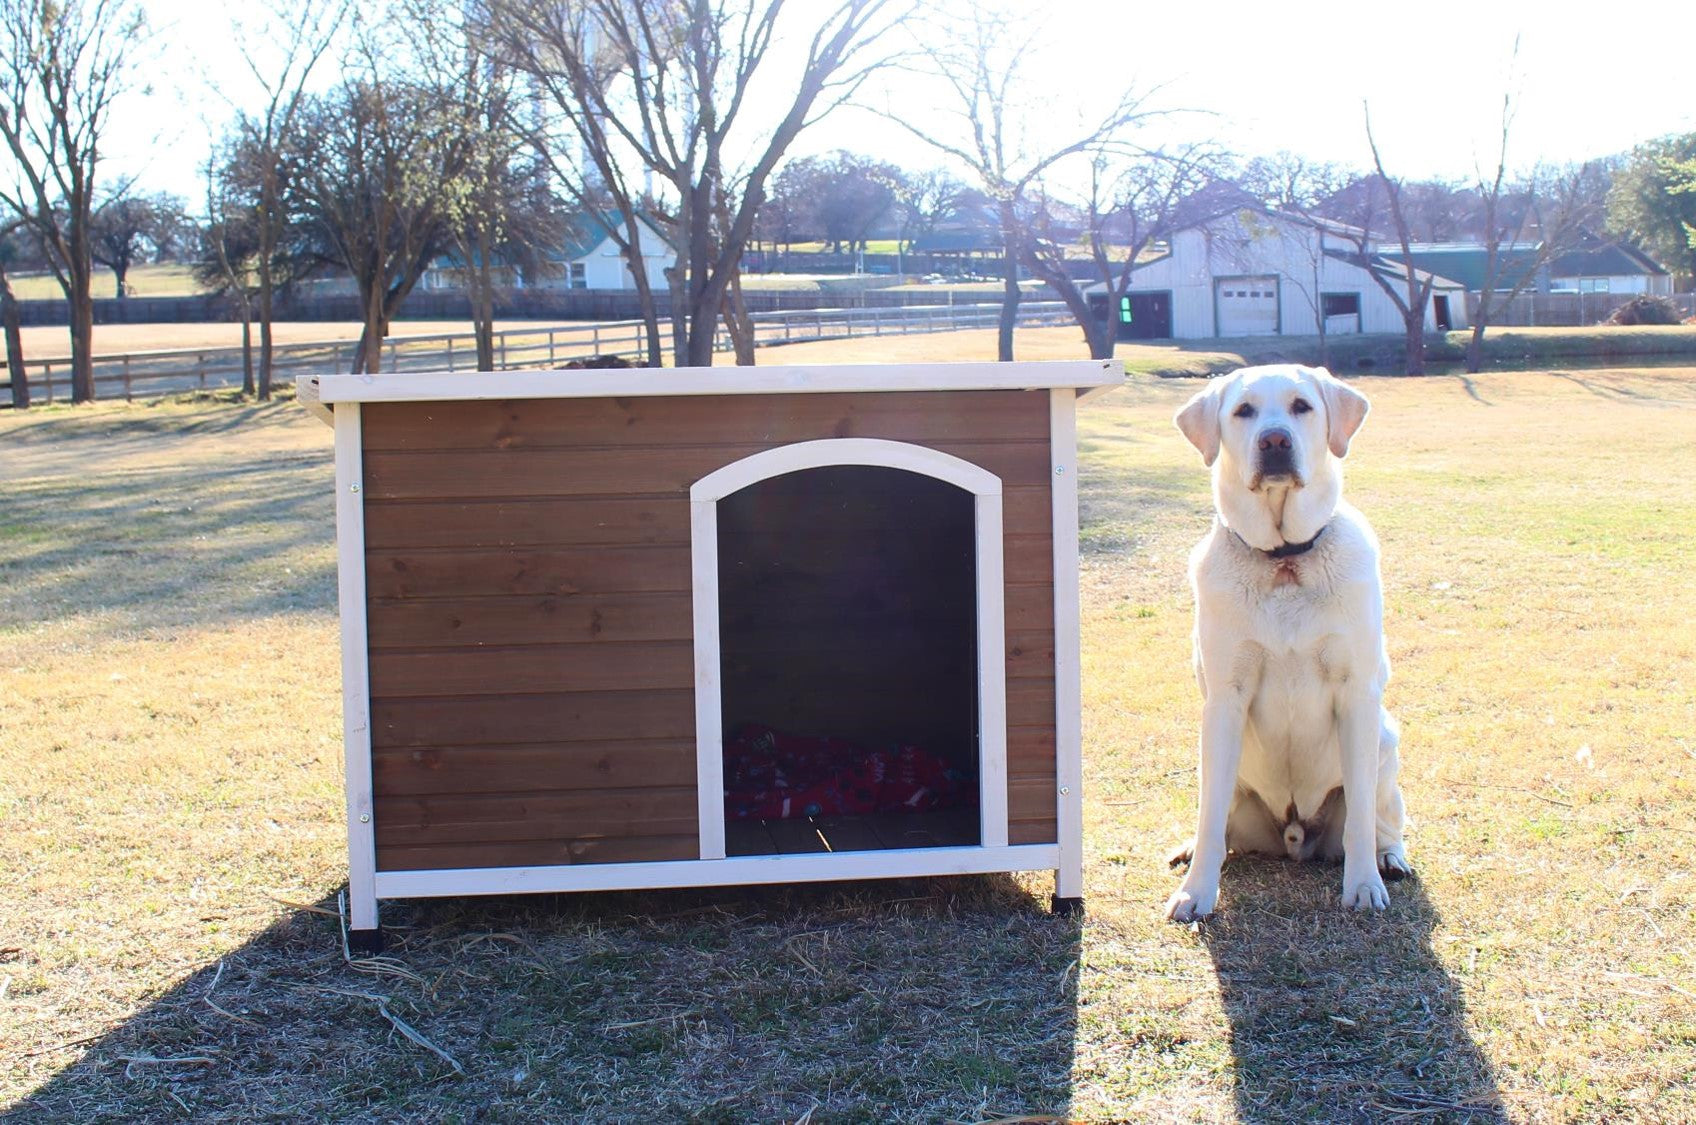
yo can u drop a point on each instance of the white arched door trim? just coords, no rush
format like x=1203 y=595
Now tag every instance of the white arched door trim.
x=985 y=488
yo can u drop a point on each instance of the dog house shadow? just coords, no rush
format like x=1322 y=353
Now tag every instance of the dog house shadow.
x=881 y=999
x=1341 y=1017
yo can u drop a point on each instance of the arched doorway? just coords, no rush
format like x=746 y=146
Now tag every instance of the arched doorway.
x=849 y=651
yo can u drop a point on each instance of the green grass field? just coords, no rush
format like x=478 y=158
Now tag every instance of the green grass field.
x=170 y=279
x=170 y=801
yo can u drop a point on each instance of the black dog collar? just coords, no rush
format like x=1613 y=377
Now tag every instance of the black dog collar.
x=1289 y=550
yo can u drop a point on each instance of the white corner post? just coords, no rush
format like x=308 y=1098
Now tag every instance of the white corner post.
x=709 y=683
x=992 y=669
x=1068 y=675
x=985 y=488
x=356 y=674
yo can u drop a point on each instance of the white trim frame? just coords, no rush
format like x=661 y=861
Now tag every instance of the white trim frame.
x=436 y=386
x=1068 y=673
x=356 y=670
x=818 y=867
x=985 y=488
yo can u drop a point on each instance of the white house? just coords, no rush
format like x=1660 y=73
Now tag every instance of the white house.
x=591 y=259
x=588 y=259
x=1253 y=272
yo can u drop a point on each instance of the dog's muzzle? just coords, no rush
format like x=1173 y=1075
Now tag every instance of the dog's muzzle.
x=1277 y=455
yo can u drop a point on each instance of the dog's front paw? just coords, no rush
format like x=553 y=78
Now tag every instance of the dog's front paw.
x=1365 y=894
x=1192 y=901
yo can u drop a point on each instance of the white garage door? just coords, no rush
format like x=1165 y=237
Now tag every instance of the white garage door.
x=1248 y=306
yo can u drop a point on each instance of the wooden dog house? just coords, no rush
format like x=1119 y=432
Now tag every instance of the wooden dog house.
x=567 y=597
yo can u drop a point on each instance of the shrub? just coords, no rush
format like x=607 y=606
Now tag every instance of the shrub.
x=1647 y=310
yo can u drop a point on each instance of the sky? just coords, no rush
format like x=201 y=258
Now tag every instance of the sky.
x=1256 y=77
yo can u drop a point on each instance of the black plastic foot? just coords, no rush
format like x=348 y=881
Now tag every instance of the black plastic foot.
x=365 y=943
x=1066 y=907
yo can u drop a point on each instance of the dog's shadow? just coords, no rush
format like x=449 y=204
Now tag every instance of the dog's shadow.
x=1338 y=1016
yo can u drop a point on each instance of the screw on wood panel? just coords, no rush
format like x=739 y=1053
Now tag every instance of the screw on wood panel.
x=1065 y=790
x=1059 y=470
x=365 y=818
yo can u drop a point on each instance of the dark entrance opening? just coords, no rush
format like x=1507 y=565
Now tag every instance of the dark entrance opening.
x=1440 y=313
x=1136 y=316
x=1341 y=311
x=848 y=657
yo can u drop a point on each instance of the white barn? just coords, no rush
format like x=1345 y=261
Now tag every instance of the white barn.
x=1253 y=272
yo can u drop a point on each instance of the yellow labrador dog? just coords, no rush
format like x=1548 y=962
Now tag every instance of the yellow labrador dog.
x=1298 y=755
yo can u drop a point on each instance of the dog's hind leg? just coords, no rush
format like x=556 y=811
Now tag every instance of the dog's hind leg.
x=1250 y=827
x=1392 y=817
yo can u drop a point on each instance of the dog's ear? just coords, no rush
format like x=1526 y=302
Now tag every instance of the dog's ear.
x=1199 y=421
x=1345 y=410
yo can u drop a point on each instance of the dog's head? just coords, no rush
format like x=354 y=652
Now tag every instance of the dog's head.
x=1274 y=437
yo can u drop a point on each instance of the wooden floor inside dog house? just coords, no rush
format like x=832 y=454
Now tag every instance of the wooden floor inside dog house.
x=847 y=611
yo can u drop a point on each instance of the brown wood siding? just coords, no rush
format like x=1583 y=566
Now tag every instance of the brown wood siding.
x=530 y=613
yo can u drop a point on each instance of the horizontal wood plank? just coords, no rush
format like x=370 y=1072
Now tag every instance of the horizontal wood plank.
x=534 y=668
x=537 y=853
x=494 y=818
x=618 y=471
x=589 y=521
x=523 y=719
x=1031 y=798
x=586 y=570
x=530 y=619
x=423 y=770
x=918 y=416
x=1033 y=832
x=1030 y=751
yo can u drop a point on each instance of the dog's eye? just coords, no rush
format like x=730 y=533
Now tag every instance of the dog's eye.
x=1300 y=406
x=1244 y=411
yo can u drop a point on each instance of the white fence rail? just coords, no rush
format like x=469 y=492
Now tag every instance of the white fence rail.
x=143 y=374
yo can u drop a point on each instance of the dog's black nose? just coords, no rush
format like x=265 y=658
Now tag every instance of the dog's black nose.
x=1275 y=438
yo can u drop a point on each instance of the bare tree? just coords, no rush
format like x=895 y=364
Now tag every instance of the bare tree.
x=1555 y=202
x=991 y=128
x=682 y=89
x=229 y=245
x=130 y=228
x=282 y=44
x=62 y=65
x=1131 y=204
x=1414 y=293
x=503 y=211
x=1302 y=190
x=377 y=175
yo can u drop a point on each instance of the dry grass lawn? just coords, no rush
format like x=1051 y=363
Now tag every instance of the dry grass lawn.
x=170 y=786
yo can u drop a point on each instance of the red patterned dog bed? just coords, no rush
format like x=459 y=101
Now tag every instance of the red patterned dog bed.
x=771 y=775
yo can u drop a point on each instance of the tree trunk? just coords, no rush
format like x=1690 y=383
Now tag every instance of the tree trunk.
x=120 y=273
x=1009 y=284
x=246 y=349
x=267 y=310
x=371 y=338
x=740 y=324
x=482 y=293
x=14 y=344
x=706 y=292
x=82 y=344
x=1415 y=346
x=1475 y=344
x=644 y=293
